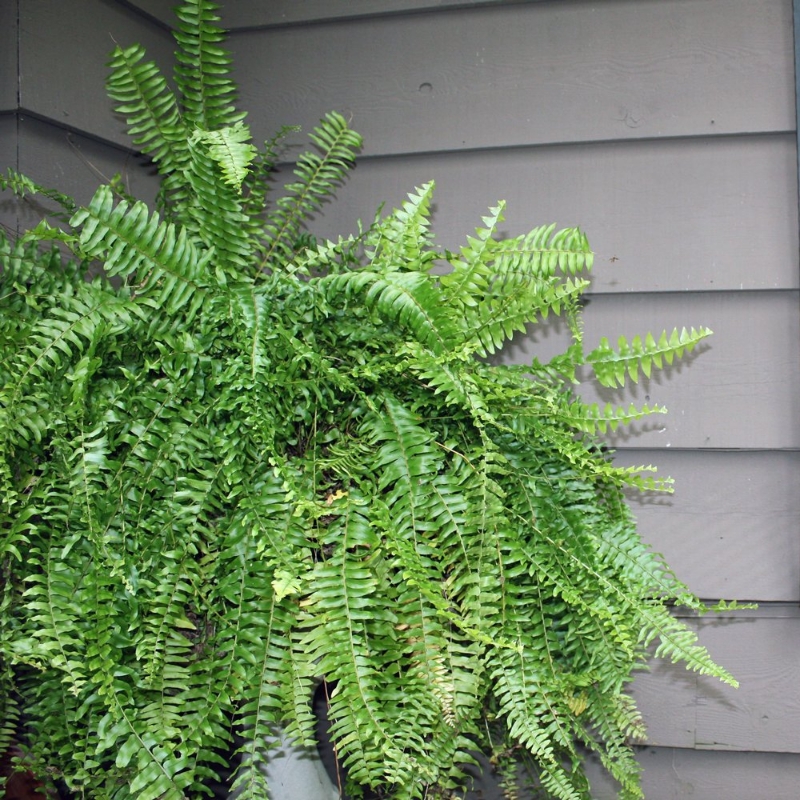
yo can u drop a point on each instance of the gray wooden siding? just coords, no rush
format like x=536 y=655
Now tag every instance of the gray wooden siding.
x=533 y=73
x=665 y=129
x=56 y=124
x=680 y=773
x=63 y=49
x=733 y=225
x=710 y=545
x=8 y=57
x=8 y=158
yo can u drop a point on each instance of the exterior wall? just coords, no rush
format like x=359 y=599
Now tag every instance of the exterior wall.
x=666 y=130
x=56 y=123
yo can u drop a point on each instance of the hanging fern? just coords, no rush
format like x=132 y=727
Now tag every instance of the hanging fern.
x=240 y=460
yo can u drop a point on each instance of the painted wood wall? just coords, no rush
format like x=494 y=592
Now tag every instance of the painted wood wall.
x=665 y=129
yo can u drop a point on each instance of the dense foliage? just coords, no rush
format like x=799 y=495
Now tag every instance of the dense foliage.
x=236 y=460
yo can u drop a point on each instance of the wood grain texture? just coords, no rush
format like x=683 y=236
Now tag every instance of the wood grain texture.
x=8 y=56
x=63 y=50
x=257 y=13
x=681 y=709
x=529 y=74
x=730 y=528
x=675 y=774
x=77 y=165
x=670 y=215
x=739 y=389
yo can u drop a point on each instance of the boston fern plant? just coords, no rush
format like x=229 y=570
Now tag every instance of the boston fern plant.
x=236 y=461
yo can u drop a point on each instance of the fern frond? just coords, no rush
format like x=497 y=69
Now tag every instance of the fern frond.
x=511 y=305
x=203 y=67
x=153 y=770
x=167 y=266
x=317 y=177
x=22 y=186
x=232 y=150
x=402 y=241
x=545 y=251
x=590 y=418
x=472 y=273
x=406 y=298
x=9 y=707
x=58 y=615
x=149 y=106
x=611 y=366
x=215 y=213
x=518 y=693
x=678 y=642
x=32 y=279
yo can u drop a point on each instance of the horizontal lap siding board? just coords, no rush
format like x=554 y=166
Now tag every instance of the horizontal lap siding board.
x=77 y=164
x=8 y=105
x=529 y=74
x=730 y=528
x=8 y=56
x=664 y=215
x=762 y=650
x=63 y=51
x=680 y=774
x=257 y=13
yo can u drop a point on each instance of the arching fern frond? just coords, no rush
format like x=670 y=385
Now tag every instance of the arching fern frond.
x=402 y=241
x=203 y=69
x=317 y=176
x=158 y=258
x=511 y=305
x=471 y=274
x=545 y=251
x=590 y=418
x=406 y=298
x=232 y=150
x=612 y=366
x=215 y=213
x=22 y=186
x=150 y=108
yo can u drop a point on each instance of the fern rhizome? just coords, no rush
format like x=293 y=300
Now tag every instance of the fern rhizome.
x=236 y=461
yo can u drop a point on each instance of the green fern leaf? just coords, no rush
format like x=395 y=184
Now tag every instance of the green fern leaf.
x=592 y=419
x=611 y=367
x=409 y=299
x=471 y=274
x=215 y=212
x=132 y=242
x=203 y=67
x=317 y=177
x=402 y=240
x=232 y=150
x=23 y=186
x=149 y=106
